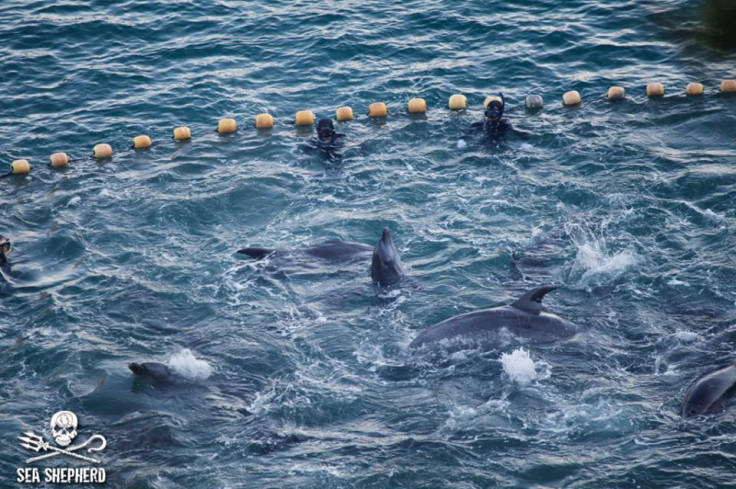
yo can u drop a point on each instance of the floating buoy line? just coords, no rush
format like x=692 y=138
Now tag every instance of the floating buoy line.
x=305 y=118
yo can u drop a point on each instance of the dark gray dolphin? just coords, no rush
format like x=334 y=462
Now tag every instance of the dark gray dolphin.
x=524 y=318
x=386 y=268
x=707 y=391
x=332 y=250
x=158 y=372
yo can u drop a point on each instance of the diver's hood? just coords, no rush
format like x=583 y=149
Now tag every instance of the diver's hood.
x=496 y=105
x=493 y=107
x=324 y=126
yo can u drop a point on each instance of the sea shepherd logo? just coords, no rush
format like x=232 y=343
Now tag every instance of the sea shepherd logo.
x=64 y=429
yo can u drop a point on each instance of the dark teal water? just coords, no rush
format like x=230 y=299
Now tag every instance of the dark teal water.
x=627 y=207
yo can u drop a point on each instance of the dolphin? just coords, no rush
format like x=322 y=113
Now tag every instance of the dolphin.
x=524 y=318
x=332 y=250
x=158 y=372
x=707 y=391
x=386 y=268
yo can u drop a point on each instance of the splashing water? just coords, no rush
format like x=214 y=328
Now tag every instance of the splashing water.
x=594 y=263
x=519 y=366
x=187 y=365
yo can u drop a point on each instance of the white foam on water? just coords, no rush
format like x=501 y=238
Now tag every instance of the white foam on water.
x=188 y=366
x=74 y=201
x=686 y=336
x=595 y=265
x=519 y=366
x=526 y=147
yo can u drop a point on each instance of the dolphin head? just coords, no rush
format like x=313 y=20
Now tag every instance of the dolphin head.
x=137 y=368
x=386 y=269
x=697 y=401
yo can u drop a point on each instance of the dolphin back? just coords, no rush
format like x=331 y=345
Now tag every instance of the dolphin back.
x=257 y=253
x=524 y=319
x=707 y=391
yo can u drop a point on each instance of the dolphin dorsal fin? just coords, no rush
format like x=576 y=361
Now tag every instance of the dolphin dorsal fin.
x=531 y=302
x=256 y=253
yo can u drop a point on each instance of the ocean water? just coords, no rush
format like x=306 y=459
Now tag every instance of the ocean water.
x=298 y=374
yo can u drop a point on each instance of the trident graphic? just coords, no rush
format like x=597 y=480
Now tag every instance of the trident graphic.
x=35 y=442
x=61 y=424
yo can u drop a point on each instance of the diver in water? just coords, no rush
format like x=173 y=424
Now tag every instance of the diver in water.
x=326 y=135
x=494 y=126
x=329 y=142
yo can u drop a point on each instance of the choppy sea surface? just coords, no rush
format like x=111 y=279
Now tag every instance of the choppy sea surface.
x=298 y=375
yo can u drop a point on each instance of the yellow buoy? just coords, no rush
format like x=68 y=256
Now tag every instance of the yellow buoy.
x=728 y=86
x=227 y=126
x=102 y=150
x=20 y=167
x=616 y=93
x=694 y=89
x=655 y=90
x=377 y=109
x=417 y=106
x=344 y=114
x=264 y=121
x=458 y=102
x=140 y=142
x=489 y=99
x=182 y=133
x=304 y=118
x=571 y=98
x=59 y=160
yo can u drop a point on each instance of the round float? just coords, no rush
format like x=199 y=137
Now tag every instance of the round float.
x=59 y=159
x=20 y=167
x=182 y=133
x=534 y=102
x=655 y=90
x=417 y=106
x=571 y=98
x=304 y=118
x=728 y=86
x=458 y=102
x=616 y=93
x=377 y=109
x=227 y=126
x=344 y=114
x=140 y=142
x=102 y=150
x=264 y=121
x=694 y=89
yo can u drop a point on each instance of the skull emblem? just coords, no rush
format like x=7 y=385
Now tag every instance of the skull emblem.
x=64 y=427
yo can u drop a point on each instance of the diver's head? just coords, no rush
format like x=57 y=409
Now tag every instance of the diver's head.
x=325 y=130
x=494 y=108
x=494 y=111
x=5 y=248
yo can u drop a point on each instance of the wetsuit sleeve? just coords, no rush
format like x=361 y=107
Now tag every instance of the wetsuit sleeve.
x=472 y=129
x=509 y=128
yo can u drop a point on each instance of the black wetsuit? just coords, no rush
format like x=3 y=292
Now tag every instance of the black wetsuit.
x=494 y=129
x=331 y=149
